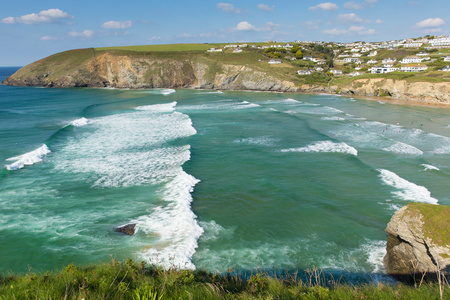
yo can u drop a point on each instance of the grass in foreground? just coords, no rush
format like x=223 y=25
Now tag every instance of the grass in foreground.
x=138 y=281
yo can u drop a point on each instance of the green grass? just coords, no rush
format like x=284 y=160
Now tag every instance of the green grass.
x=129 y=280
x=437 y=225
x=164 y=48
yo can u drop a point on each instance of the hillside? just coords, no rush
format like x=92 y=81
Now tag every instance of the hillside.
x=230 y=67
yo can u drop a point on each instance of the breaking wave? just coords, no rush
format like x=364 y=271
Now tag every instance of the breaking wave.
x=325 y=146
x=29 y=158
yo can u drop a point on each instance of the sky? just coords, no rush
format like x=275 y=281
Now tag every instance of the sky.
x=34 y=29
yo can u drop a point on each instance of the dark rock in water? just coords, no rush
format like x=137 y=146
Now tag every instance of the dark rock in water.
x=127 y=229
x=419 y=242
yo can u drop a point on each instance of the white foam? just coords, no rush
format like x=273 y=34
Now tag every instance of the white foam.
x=325 y=146
x=165 y=107
x=167 y=91
x=429 y=167
x=260 y=141
x=292 y=100
x=406 y=190
x=332 y=118
x=29 y=158
x=376 y=250
x=80 y=122
x=402 y=148
x=175 y=225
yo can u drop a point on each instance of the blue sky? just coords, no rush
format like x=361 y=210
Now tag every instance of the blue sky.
x=31 y=30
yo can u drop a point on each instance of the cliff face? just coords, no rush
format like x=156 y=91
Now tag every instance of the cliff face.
x=418 y=241
x=399 y=89
x=91 y=68
x=108 y=70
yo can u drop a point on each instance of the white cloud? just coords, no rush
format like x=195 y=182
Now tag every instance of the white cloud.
x=371 y=2
x=353 y=5
x=430 y=23
x=48 y=38
x=244 y=26
x=325 y=6
x=229 y=8
x=312 y=25
x=84 y=34
x=116 y=25
x=349 y=18
x=46 y=16
x=361 y=30
x=266 y=7
x=270 y=26
x=334 y=31
x=379 y=21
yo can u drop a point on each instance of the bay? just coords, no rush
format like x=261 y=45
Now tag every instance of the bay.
x=213 y=180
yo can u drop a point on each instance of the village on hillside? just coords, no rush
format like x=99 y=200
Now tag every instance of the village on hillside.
x=424 y=54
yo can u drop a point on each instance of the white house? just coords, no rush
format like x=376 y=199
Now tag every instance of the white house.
x=389 y=60
x=411 y=60
x=422 y=54
x=372 y=61
x=275 y=61
x=355 y=50
x=351 y=60
x=304 y=72
x=444 y=41
x=413 y=68
x=319 y=69
x=214 y=50
x=353 y=74
x=358 y=68
x=336 y=72
x=413 y=45
x=382 y=70
x=237 y=50
x=357 y=55
x=447 y=58
x=373 y=53
x=446 y=69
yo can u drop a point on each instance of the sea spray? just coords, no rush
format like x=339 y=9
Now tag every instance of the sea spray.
x=406 y=190
x=29 y=158
x=325 y=146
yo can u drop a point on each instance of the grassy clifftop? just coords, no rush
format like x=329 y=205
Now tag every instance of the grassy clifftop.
x=132 y=281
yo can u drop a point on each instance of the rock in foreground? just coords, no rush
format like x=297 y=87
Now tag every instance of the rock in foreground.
x=129 y=229
x=418 y=242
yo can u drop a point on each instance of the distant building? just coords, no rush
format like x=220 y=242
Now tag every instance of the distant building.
x=389 y=60
x=336 y=72
x=353 y=74
x=304 y=72
x=214 y=50
x=413 y=45
x=411 y=60
x=413 y=68
x=275 y=61
x=372 y=61
x=373 y=53
x=446 y=69
x=237 y=50
x=351 y=60
x=382 y=70
x=447 y=58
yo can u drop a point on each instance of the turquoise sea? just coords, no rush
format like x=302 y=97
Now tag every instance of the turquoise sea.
x=213 y=180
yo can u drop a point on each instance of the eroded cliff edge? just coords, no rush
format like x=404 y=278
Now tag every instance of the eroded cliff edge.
x=132 y=69
x=418 y=242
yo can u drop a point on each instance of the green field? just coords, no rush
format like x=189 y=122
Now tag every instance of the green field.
x=164 y=48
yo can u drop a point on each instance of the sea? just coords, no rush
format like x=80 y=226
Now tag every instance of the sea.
x=214 y=180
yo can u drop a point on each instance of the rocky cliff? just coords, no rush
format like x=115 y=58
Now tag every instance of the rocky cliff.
x=133 y=69
x=418 y=242
x=147 y=71
x=398 y=89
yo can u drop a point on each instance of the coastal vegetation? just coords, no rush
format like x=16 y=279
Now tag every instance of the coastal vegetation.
x=138 y=281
